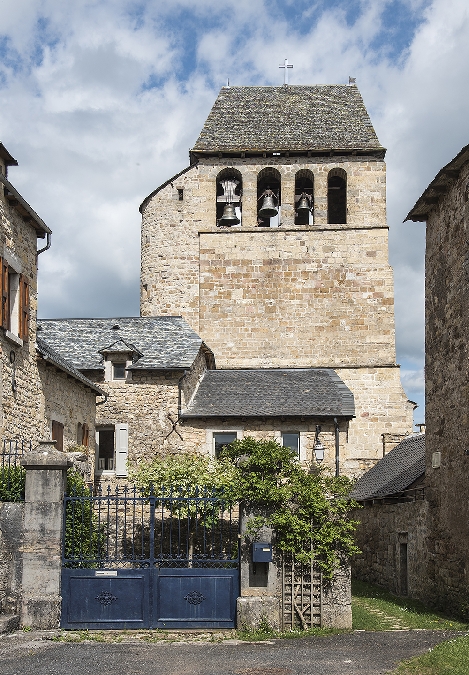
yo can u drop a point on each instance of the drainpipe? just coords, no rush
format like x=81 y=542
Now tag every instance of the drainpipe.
x=41 y=250
x=336 y=430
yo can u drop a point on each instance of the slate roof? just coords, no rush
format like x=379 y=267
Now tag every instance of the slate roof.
x=50 y=355
x=319 y=117
x=395 y=472
x=441 y=184
x=271 y=392
x=166 y=342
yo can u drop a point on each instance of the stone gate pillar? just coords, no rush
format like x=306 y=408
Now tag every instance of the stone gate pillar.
x=43 y=524
x=260 y=589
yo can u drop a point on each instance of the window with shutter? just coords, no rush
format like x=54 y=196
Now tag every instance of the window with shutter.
x=122 y=448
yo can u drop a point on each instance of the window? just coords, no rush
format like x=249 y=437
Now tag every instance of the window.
x=118 y=370
x=337 y=197
x=291 y=439
x=83 y=433
x=221 y=439
x=15 y=307
x=180 y=194
x=58 y=434
x=105 y=449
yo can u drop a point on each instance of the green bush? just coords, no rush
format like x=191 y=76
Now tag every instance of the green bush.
x=12 y=481
x=84 y=538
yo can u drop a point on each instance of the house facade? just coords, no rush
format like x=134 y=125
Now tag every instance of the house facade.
x=273 y=245
x=41 y=396
x=444 y=206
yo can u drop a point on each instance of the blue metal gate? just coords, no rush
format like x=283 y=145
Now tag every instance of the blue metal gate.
x=132 y=560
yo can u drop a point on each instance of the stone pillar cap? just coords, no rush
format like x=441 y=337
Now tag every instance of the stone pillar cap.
x=46 y=456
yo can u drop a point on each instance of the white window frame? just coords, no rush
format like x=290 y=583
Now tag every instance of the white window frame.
x=210 y=438
x=302 y=440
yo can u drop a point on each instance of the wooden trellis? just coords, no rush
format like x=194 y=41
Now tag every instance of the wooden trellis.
x=301 y=595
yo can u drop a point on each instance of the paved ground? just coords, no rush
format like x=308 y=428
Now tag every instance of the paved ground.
x=357 y=653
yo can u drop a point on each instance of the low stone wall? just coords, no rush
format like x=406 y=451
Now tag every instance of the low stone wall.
x=11 y=561
x=393 y=541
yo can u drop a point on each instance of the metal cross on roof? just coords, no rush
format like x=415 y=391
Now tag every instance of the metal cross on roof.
x=286 y=66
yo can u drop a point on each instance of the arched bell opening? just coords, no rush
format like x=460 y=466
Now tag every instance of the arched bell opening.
x=337 y=197
x=229 y=198
x=304 y=197
x=269 y=197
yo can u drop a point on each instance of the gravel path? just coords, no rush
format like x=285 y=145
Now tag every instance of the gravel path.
x=356 y=653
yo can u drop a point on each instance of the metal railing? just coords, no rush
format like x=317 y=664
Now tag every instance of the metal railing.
x=124 y=527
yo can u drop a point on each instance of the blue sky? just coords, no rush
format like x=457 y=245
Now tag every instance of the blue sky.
x=102 y=99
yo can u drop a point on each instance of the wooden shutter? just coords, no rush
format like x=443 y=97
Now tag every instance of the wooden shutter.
x=122 y=448
x=24 y=309
x=5 y=292
x=58 y=434
x=86 y=435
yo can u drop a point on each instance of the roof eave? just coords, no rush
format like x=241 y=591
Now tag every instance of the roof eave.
x=7 y=158
x=438 y=187
x=193 y=415
x=24 y=209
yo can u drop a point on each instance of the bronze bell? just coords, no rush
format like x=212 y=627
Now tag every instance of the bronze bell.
x=229 y=216
x=268 y=208
x=303 y=207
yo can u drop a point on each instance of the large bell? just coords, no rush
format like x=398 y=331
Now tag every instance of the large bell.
x=303 y=207
x=268 y=208
x=229 y=216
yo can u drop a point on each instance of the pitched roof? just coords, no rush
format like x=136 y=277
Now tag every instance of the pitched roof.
x=50 y=355
x=271 y=392
x=288 y=118
x=166 y=342
x=441 y=184
x=395 y=472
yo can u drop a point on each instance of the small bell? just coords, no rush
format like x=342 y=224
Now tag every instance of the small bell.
x=303 y=207
x=229 y=216
x=268 y=208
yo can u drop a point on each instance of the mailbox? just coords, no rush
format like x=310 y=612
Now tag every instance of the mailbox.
x=261 y=552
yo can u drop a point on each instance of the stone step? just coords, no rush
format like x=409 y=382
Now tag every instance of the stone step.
x=9 y=623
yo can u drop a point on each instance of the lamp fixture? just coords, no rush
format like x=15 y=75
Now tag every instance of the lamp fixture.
x=318 y=447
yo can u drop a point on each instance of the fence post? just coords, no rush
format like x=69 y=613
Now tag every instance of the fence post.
x=260 y=592
x=43 y=524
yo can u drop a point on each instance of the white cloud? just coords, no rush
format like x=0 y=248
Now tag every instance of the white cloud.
x=93 y=140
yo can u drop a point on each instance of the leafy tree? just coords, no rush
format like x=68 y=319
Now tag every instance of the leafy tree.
x=12 y=483
x=84 y=538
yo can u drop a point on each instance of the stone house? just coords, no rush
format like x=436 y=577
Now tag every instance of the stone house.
x=393 y=521
x=273 y=245
x=41 y=396
x=444 y=206
x=164 y=395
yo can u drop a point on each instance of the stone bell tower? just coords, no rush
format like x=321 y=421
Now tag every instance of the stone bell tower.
x=273 y=245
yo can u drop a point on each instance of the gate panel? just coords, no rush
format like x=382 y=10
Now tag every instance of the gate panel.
x=106 y=598
x=196 y=598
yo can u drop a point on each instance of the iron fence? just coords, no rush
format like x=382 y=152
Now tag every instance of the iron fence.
x=124 y=527
x=11 y=471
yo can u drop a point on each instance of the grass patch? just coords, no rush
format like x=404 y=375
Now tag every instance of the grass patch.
x=265 y=632
x=448 y=658
x=374 y=608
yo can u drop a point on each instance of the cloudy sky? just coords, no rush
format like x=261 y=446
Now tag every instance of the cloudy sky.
x=101 y=101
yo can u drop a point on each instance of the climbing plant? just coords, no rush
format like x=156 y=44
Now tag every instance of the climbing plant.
x=306 y=506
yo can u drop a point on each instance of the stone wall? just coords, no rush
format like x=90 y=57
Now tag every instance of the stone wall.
x=295 y=296
x=11 y=562
x=384 y=531
x=65 y=400
x=447 y=395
